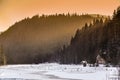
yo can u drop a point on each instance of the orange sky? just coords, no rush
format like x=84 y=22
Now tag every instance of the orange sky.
x=15 y=10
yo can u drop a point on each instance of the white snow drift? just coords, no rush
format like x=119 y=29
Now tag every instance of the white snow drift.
x=55 y=71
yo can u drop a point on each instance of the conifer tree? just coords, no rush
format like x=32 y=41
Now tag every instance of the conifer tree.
x=2 y=56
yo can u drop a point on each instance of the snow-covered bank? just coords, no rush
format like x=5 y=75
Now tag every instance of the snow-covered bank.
x=55 y=71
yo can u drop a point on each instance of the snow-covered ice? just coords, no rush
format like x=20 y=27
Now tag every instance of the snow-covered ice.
x=54 y=71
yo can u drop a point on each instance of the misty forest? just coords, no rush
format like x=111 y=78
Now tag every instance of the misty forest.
x=62 y=38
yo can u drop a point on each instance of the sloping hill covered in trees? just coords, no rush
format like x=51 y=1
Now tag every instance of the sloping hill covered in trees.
x=100 y=37
x=40 y=36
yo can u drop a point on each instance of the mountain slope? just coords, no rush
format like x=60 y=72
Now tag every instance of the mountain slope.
x=100 y=38
x=40 y=35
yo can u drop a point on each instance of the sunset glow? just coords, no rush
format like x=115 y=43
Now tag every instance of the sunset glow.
x=15 y=10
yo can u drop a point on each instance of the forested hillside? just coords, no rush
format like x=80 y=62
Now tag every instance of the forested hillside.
x=100 y=37
x=33 y=39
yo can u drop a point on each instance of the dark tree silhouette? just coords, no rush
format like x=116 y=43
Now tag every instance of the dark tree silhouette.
x=101 y=35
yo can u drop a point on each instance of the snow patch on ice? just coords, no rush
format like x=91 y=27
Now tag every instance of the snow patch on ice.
x=55 y=71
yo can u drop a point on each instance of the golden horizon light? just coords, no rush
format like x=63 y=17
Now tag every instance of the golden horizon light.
x=15 y=10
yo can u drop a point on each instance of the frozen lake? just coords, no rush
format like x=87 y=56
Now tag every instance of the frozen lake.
x=55 y=71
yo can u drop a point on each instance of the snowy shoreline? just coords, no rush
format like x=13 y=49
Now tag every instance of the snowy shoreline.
x=54 y=71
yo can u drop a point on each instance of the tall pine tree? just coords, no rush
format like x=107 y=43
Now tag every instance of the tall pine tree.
x=2 y=56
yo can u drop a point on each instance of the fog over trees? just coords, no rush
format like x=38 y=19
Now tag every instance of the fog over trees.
x=33 y=39
x=101 y=37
